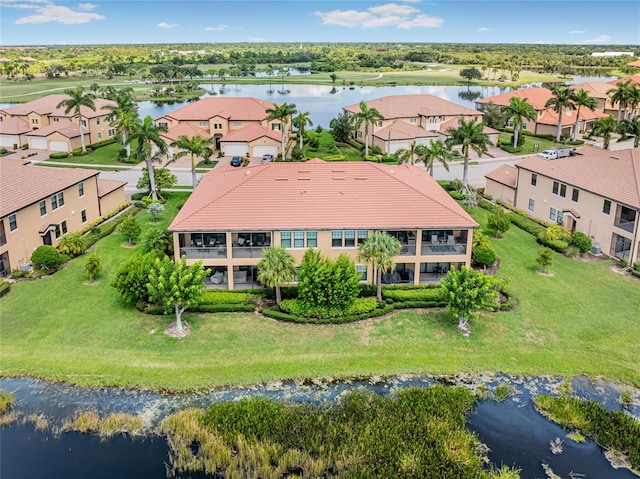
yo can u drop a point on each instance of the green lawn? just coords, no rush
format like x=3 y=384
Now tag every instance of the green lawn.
x=583 y=320
x=106 y=156
x=328 y=148
x=529 y=143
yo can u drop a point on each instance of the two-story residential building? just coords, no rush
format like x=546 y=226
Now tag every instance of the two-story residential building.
x=41 y=125
x=239 y=126
x=597 y=192
x=412 y=118
x=38 y=205
x=234 y=213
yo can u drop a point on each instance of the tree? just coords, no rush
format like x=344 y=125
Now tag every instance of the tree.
x=124 y=117
x=499 y=222
x=132 y=277
x=544 y=259
x=582 y=99
x=435 y=151
x=517 y=111
x=46 y=257
x=301 y=122
x=340 y=127
x=603 y=127
x=130 y=228
x=78 y=98
x=621 y=96
x=366 y=116
x=562 y=98
x=630 y=128
x=275 y=269
x=158 y=241
x=163 y=177
x=469 y=134
x=194 y=146
x=147 y=134
x=471 y=73
x=155 y=210
x=408 y=154
x=467 y=291
x=176 y=286
x=492 y=115
x=379 y=250
x=283 y=113
x=72 y=244
x=92 y=267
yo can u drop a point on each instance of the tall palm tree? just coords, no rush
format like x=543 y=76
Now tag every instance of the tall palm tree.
x=276 y=268
x=147 y=134
x=124 y=116
x=366 y=116
x=621 y=95
x=78 y=98
x=634 y=100
x=603 y=127
x=379 y=250
x=408 y=154
x=195 y=146
x=630 y=128
x=518 y=110
x=435 y=151
x=469 y=134
x=283 y=113
x=582 y=99
x=301 y=122
x=562 y=98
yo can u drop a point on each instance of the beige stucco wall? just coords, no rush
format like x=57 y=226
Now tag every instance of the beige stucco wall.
x=112 y=200
x=500 y=191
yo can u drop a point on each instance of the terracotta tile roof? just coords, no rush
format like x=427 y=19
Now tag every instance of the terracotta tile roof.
x=251 y=133
x=550 y=117
x=64 y=127
x=453 y=123
x=48 y=106
x=610 y=174
x=234 y=109
x=14 y=126
x=4 y=60
x=595 y=89
x=634 y=79
x=185 y=128
x=406 y=106
x=635 y=63
x=107 y=186
x=401 y=130
x=537 y=96
x=319 y=195
x=22 y=184
x=504 y=174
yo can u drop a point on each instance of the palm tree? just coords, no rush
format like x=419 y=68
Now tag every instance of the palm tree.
x=283 y=113
x=367 y=116
x=517 y=111
x=408 y=154
x=301 y=122
x=196 y=146
x=621 y=95
x=435 y=151
x=562 y=98
x=581 y=98
x=634 y=100
x=604 y=127
x=147 y=134
x=124 y=116
x=379 y=250
x=469 y=134
x=630 y=128
x=276 y=268
x=78 y=98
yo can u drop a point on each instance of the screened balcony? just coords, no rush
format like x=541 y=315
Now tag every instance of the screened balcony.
x=444 y=242
x=203 y=245
x=250 y=244
x=407 y=239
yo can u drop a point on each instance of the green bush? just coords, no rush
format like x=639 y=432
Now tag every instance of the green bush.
x=78 y=151
x=484 y=255
x=527 y=224
x=557 y=245
x=5 y=287
x=581 y=241
x=484 y=204
x=223 y=297
x=46 y=257
x=557 y=232
x=413 y=294
x=623 y=263
x=58 y=155
x=72 y=244
x=100 y=144
x=636 y=266
x=456 y=195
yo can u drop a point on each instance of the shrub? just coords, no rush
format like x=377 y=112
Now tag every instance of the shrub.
x=78 y=152
x=581 y=241
x=72 y=244
x=224 y=297
x=484 y=255
x=46 y=257
x=132 y=277
x=5 y=287
x=58 y=155
x=92 y=267
x=623 y=263
x=527 y=224
x=130 y=228
x=158 y=240
x=557 y=232
x=556 y=245
x=544 y=258
x=413 y=294
x=155 y=210
x=499 y=222
x=100 y=144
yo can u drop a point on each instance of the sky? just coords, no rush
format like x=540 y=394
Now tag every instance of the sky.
x=579 y=22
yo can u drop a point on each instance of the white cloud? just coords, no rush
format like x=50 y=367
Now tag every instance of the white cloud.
x=577 y=32
x=47 y=11
x=484 y=29
x=167 y=25
x=217 y=28
x=599 y=39
x=405 y=17
x=541 y=42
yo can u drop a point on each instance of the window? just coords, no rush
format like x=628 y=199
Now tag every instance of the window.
x=312 y=239
x=56 y=120
x=298 y=239
x=81 y=189
x=560 y=217
x=64 y=227
x=54 y=203
x=99 y=135
x=285 y=239
x=336 y=239
x=98 y=121
x=43 y=207
x=84 y=122
x=559 y=189
x=379 y=123
x=510 y=124
x=556 y=187
x=217 y=126
x=524 y=126
x=362 y=235
x=57 y=231
x=350 y=239
x=238 y=124
x=162 y=124
x=3 y=236
x=5 y=270
x=362 y=269
x=532 y=204
x=274 y=126
x=412 y=120
x=204 y=123
x=111 y=132
x=83 y=215
x=13 y=224
x=563 y=191
x=606 y=208
x=534 y=179
x=552 y=214
x=574 y=195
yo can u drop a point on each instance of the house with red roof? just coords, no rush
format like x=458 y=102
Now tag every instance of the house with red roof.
x=234 y=213
x=41 y=125
x=237 y=125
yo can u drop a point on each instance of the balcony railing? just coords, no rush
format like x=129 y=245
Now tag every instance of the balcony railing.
x=625 y=225
x=408 y=249
x=248 y=251
x=199 y=252
x=444 y=249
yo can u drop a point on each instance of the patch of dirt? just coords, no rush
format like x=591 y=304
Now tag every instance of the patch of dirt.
x=173 y=332
x=90 y=283
x=128 y=245
x=545 y=273
x=366 y=330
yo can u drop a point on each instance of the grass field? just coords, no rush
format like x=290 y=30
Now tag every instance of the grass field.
x=582 y=320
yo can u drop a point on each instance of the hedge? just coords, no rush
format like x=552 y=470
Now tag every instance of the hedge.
x=419 y=304
x=100 y=144
x=279 y=315
x=556 y=245
x=58 y=155
x=105 y=217
x=4 y=288
x=432 y=294
x=156 y=309
x=527 y=224
x=224 y=297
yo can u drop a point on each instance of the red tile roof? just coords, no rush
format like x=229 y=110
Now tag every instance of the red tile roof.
x=14 y=126
x=407 y=106
x=635 y=63
x=107 y=186
x=319 y=195
x=187 y=129
x=634 y=79
x=64 y=127
x=401 y=130
x=504 y=174
x=48 y=106
x=610 y=174
x=550 y=117
x=234 y=109
x=537 y=96
x=595 y=89
x=22 y=184
x=251 y=133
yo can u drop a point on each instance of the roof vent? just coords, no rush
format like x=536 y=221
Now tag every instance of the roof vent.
x=282 y=179
x=360 y=178
x=615 y=157
x=338 y=171
x=304 y=178
x=304 y=171
x=338 y=177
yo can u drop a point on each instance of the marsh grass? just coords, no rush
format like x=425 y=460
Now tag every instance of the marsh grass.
x=502 y=392
x=6 y=402
x=40 y=422
x=90 y=422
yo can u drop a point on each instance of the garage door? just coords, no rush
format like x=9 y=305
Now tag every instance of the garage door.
x=259 y=151
x=398 y=145
x=38 y=143
x=7 y=141
x=235 y=149
x=59 y=146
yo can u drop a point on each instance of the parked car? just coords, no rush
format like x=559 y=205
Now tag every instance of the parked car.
x=267 y=158
x=236 y=161
x=555 y=153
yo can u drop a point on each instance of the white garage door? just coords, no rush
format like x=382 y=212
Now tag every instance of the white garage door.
x=265 y=150
x=235 y=149
x=398 y=145
x=7 y=141
x=38 y=143
x=59 y=146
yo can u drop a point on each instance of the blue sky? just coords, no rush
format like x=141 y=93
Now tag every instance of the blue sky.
x=589 y=22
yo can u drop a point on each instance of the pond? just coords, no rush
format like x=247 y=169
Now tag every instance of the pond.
x=513 y=431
